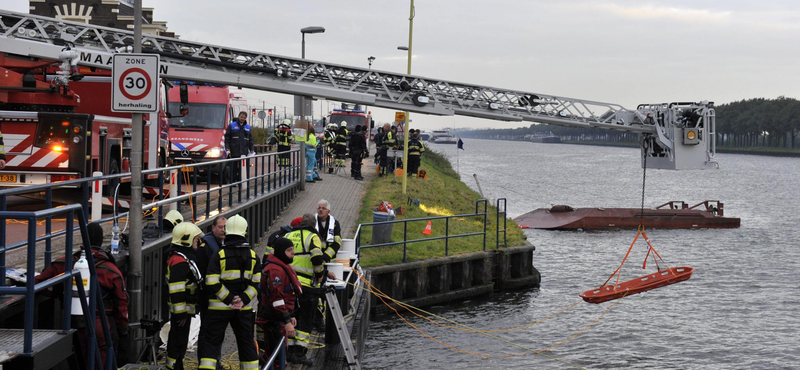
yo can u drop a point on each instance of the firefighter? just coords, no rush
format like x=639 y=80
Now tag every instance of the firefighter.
x=238 y=142
x=358 y=148
x=171 y=219
x=283 y=134
x=276 y=303
x=415 y=150
x=112 y=286
x=233 y=277
x=341 y=146
x=388 y=141
x=330 y=140
x=185 y=281
x=308 y=262
x=2 y=153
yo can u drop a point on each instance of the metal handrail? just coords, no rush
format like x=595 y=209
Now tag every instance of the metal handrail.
x=95 y=303
x=279 y=354
x=446 y=238
x=271 y=181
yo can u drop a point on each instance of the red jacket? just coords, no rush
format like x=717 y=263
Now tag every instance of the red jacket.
x=279 y=291
x=110 y=279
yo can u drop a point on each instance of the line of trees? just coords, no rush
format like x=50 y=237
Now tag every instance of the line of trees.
x=755 y=122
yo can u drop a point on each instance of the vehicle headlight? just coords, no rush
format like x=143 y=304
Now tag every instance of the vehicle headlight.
x=213 y=153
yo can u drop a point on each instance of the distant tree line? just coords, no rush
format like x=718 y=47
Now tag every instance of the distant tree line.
x=755 y=122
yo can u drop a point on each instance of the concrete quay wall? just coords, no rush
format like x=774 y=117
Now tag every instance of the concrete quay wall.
x=452 y=279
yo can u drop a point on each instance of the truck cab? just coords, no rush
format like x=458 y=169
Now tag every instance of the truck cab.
x=200 y=135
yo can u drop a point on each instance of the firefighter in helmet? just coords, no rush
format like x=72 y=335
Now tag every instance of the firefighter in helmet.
x=172 y=219
x=283 y=134
x=329 y=139
x=185 y=281
x=234 y=274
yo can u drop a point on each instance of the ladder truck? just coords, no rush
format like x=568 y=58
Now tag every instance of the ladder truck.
x=674 y=135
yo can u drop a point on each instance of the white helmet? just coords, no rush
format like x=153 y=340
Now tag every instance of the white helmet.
x=344 y=124
x=332 y=126
x=287 y=122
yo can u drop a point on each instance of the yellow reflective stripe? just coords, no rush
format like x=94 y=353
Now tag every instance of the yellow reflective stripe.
x=217 y=305
x=212 y=279
x=307 y=243
x=223 y=293
x=177 y=308
x=303 y=270
x=256 y=278
x=208 y=363
x=251 y=292
x=329 y=252
x=249 y=364
x=337 y=239
x=230 y=275
x=177 y=287
x=318 y=268
x=316 y=252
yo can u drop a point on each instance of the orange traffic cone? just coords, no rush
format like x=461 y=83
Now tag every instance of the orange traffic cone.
x=427 y=230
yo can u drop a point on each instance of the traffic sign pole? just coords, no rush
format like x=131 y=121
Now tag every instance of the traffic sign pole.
x=135 y=211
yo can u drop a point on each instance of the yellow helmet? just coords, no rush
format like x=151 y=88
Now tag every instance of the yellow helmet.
x=236 y=225
x=184 y=233
x=287 y=122
x=174 y=217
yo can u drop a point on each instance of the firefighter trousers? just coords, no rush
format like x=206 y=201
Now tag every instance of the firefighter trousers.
x=243 y=324
x=176 y=344
x=355 y=164
x=283 y=159
x=413 y=164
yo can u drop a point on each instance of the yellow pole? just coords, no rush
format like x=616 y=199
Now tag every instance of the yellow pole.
x=407 y=127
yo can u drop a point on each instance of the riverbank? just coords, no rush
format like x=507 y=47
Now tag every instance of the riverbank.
x=441 y=194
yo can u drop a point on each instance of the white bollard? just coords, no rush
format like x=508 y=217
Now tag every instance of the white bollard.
x=97 y=197
x=242 y=173
x=173 y=189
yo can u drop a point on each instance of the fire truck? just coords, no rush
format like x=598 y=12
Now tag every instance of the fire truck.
x=52 y=135
x=200 y=136
x=352 y=116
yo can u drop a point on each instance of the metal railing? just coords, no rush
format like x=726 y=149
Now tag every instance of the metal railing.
x=95 y=303
x=505 y=219
x=261 y=175
x=446 y=237
x=279 y=354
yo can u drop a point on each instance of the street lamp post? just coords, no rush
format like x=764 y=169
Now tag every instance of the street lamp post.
x=304 y=31
x=407 y=127
x=370 y=60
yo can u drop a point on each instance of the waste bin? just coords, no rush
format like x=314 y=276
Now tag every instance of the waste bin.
x=382 y=233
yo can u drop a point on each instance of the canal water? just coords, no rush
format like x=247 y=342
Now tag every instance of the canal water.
x=740 y=309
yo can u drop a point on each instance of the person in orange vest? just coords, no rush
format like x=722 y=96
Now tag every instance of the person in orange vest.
x=277 y=301
x=112 y=286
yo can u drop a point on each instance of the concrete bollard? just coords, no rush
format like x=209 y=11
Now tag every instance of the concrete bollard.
x=97 y=197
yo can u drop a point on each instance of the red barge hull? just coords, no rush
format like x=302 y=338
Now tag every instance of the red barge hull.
x=641 y=284
x=671 y=215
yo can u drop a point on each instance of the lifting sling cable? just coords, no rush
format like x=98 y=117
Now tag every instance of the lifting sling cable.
x=643 y=283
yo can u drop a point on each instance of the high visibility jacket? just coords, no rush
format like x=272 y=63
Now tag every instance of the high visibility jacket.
x=415 y=147
x=183 y=279
x=329 y=138
x=308 y=258
x=238 y=139
x=284 y=135
x=234 y=271
x=388 y=141
x=331 y=236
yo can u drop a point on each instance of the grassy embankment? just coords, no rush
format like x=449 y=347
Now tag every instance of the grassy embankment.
x=442 y=194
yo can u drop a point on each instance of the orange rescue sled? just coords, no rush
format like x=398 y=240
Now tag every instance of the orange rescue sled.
x=644 y=283
x=670 y=275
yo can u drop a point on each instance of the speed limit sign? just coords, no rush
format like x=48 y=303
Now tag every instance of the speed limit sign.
x=134 y=83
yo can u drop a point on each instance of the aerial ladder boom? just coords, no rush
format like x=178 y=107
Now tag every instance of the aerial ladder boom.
x=678 y=135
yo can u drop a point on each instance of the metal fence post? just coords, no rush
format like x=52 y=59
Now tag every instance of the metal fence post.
x=173 y=189
x=405 y=237
x=446 y=236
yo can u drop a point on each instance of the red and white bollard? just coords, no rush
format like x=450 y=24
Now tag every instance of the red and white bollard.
x=97 y=197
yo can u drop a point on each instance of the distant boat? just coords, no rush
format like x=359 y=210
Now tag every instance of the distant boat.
x=443 y=137
x=545 y=137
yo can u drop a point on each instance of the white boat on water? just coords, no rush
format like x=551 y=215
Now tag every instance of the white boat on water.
x=443 y=137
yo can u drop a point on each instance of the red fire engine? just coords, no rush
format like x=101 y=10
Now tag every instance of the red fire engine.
x=51 y=134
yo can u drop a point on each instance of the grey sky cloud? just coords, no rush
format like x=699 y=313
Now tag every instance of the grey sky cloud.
x=626 y=52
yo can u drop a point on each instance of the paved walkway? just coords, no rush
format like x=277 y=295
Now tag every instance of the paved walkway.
x=343 y=193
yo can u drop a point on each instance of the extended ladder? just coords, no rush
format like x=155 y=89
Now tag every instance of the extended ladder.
x=344 y=336
x=663 y=124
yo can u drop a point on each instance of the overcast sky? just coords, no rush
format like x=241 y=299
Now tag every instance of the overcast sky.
x=624 y=52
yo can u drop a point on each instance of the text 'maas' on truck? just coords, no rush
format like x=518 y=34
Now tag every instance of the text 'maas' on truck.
x=200 y=136
x=58 y=125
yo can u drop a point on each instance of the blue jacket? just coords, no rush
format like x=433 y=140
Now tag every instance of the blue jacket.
x=238 y=139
